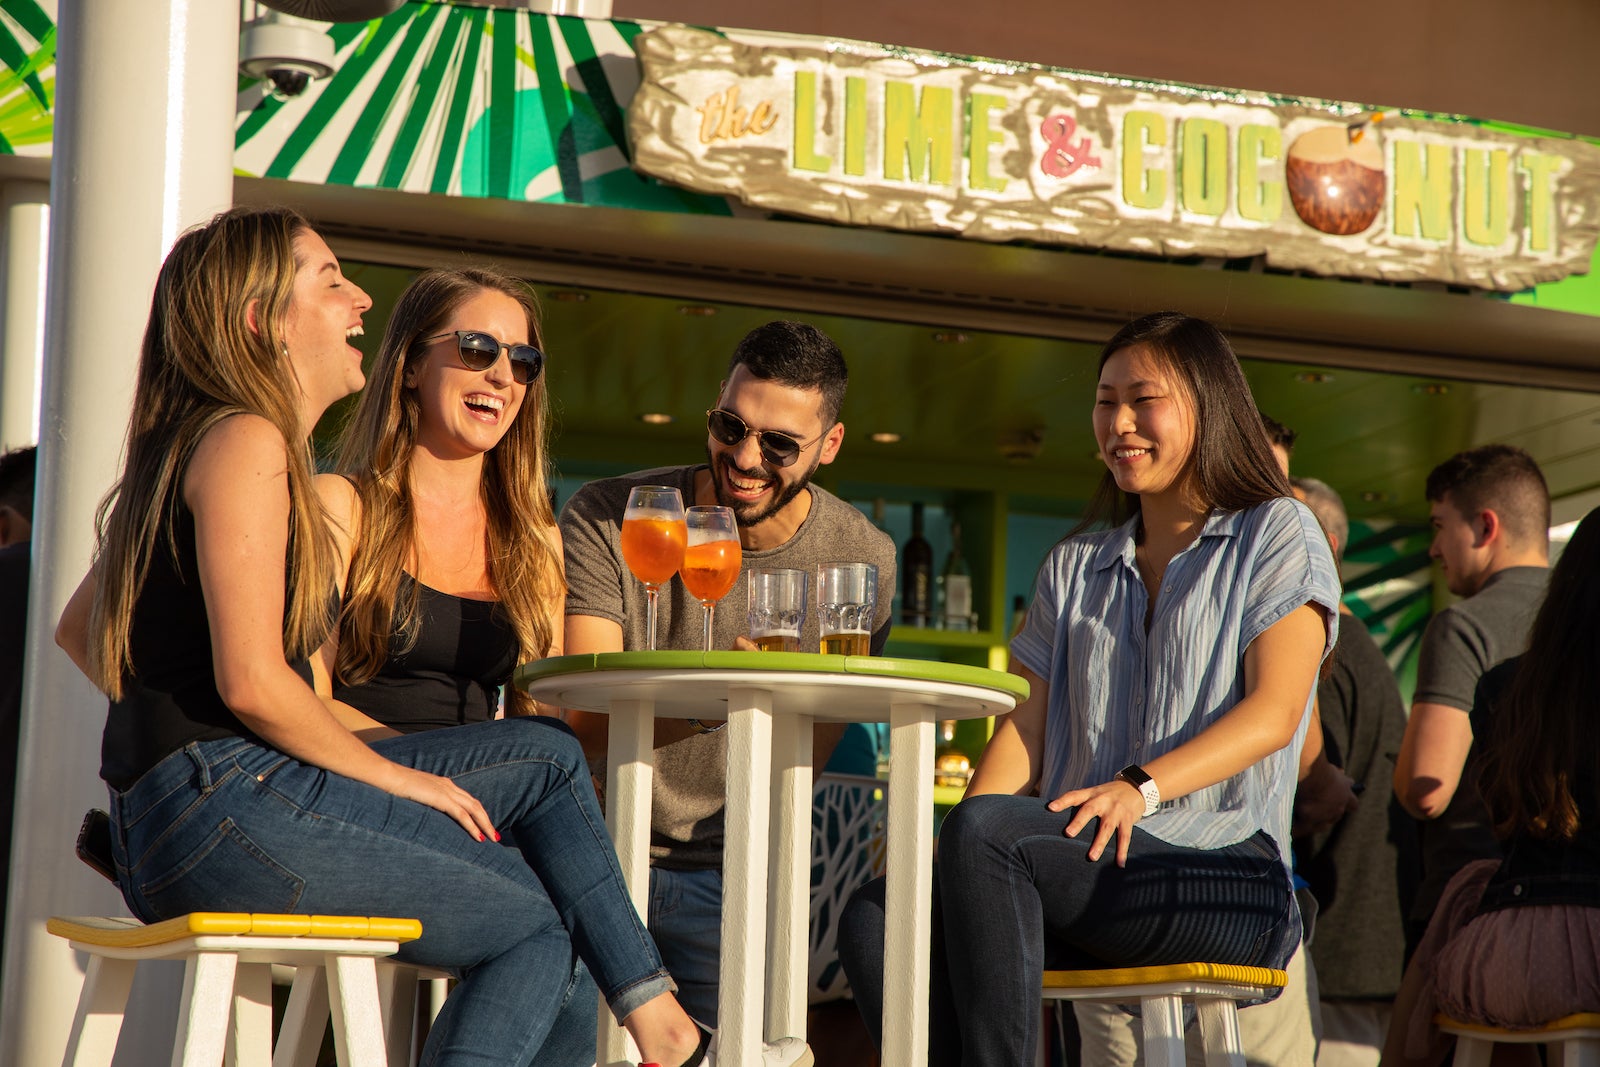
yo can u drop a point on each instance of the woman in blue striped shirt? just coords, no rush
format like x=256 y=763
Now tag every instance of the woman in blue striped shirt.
x=1135 y=809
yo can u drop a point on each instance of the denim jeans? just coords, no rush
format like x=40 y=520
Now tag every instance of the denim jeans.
x=1013 y=896
x=686 y=922
x=233 y=825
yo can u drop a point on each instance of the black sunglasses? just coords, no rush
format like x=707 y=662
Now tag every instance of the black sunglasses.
x=480 y=351
x=778 y=449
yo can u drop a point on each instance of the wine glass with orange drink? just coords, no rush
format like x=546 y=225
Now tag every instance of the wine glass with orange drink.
x=653 y=540
x=711 y=559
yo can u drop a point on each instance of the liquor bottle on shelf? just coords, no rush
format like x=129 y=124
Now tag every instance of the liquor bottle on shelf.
x=916 y=574
x=957 y=585
x=951 y=766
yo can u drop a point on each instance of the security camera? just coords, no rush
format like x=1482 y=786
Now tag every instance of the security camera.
x=286 y=52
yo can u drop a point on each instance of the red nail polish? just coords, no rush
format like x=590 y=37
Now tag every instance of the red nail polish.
x=497 y=835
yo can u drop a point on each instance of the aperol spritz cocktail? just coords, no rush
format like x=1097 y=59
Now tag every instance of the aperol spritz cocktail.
x=711 y=560
x=653 y=540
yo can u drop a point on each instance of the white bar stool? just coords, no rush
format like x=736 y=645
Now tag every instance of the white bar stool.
x=228 y=960
x=1215 y=988
x=1575 y=1037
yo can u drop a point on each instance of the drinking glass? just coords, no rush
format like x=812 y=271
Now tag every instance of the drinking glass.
x=653 y=537
x=711 y=560
x=847 y=596
x=777 y=608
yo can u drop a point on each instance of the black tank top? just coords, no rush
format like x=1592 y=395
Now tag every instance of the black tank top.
x=464 y=652
x=169 y=698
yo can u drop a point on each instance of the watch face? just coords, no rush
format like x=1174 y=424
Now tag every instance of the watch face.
x=1134 y=775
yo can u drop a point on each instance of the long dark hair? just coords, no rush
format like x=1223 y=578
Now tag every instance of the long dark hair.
x=1541 y=742
x=1232 y=459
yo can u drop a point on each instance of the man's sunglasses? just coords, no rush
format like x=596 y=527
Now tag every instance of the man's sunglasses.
x=480 y=351
x=778 y=449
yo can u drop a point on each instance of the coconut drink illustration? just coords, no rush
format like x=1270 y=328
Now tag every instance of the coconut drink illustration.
x=1335 y=177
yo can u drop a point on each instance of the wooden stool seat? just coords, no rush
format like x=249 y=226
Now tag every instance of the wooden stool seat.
x=1215 y=988
x=1576 y=1037
x=228 y=959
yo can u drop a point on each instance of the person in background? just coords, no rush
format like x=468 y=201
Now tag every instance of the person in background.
x=16 y=534
x=775 y=421
x=233 y=786
x=1515 y=942
x=1134 y=810
x=1282 y=440
x=1361 y=869
x=1490 y=511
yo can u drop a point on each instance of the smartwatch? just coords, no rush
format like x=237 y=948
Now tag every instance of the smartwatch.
x=1134 y=775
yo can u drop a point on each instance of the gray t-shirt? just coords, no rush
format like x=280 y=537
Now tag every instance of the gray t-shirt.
x=686 y=824
x=1460 y=644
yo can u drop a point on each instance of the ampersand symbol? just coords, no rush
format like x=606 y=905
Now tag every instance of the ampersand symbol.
x=1061 y=157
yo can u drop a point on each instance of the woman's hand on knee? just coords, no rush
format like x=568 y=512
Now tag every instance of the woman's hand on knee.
x=1116 y=804
x=444 y=795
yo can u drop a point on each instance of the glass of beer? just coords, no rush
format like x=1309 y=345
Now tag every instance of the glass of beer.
x=653 y=540
x=847 y=596
x=777 y=608
x=711 y=560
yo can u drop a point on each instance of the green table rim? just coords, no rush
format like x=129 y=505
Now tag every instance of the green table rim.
x=798 y=662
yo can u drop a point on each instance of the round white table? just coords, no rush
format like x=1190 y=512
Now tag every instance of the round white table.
x=771 y=700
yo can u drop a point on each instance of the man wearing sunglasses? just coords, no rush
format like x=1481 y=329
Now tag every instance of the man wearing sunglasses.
x=774 y=422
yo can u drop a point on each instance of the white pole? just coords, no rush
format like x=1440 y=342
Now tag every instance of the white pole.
x=27 y=233
x=143 y=149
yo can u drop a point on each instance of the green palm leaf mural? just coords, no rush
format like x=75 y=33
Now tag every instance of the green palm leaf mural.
x=27 y=86
x=1389 y=586
x=465 y=101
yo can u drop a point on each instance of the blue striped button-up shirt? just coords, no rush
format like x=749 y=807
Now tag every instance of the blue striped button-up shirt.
x=1119 y=695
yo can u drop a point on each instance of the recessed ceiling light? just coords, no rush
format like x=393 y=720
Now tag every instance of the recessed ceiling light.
x=1431 y=388
x=1313 y=377
x=655 y=418
x=569 y=296
x=884 y=437
x=950 y=337
x=699 y=311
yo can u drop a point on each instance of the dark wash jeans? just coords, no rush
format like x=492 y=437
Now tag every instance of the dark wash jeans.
x=1013 y=897
x=232 y=825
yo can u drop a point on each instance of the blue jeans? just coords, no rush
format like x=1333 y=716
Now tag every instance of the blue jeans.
x=1013 y=897
x=233 y=825
x=686 y=922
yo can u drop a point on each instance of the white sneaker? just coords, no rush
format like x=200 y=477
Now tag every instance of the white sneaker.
x=784 y=1052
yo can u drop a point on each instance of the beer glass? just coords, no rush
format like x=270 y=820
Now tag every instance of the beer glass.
x=847 y=594
x=653 y=540
x=777 y=608
x=711 y=559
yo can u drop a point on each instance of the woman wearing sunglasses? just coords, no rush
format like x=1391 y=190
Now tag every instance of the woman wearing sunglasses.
x=452 y=576
x=1134 y=810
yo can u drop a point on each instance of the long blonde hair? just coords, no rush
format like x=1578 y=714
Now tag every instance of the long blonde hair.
x=375 y=453
x=201 y=361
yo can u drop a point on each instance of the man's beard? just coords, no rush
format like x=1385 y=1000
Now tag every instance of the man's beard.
x=745 y=514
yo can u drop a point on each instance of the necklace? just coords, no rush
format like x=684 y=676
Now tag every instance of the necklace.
x=1142 y=556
